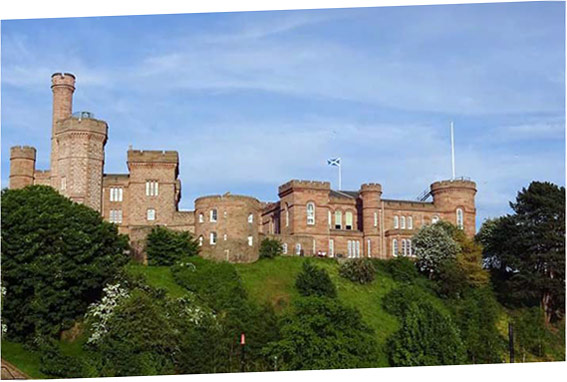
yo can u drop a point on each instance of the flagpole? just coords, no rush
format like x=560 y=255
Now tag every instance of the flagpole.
x=453 y=150
x=340 y=165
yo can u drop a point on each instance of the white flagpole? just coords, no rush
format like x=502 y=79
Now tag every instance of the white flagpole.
x=453 y=150
x=340 y=186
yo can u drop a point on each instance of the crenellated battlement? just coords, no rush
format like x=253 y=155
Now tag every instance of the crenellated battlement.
x=73 y=124
x=371 y=187
x=310 y=184
x=22 y=152
x=152 y=156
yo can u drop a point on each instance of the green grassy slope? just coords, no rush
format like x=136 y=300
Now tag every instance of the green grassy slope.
x=25 y=360
x=158 y=277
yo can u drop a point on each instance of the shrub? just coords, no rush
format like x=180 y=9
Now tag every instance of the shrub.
x=314 y=281
x=433 y=246
x=270 y=248
x=530 y=331
x=361 y=271
x=323 y=334
x=166 y=247
x=399 y=268
x=427 y=337
x=56 y=364
x=56 y=257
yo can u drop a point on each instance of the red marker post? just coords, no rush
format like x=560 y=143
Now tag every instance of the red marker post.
x=242 y=347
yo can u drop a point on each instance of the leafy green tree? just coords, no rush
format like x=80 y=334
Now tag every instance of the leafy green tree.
x=433 y=246
x=526 y=250
x=166 y=247
x=56 y=257
x=400 y=269
x=531 y=334
x=323 y=334
x=476 y=315
x=270 y=248
x=315 y=281
x=427 y=337
x=360 y=271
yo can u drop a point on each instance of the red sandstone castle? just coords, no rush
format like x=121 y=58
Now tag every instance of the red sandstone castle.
x=309 y=219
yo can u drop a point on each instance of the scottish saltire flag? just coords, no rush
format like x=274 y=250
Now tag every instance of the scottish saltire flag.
x=334 y=162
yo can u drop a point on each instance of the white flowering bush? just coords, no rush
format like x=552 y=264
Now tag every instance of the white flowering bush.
x=433 y=245
x=4 y=326
x=100 y=312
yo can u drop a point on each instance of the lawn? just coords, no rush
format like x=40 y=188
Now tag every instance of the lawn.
x=158 y=277
x=25 y=360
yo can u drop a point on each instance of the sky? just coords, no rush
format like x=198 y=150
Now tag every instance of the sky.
x=251 y=100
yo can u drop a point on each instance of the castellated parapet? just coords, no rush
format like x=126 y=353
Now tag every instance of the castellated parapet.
x=22 y=166
x=303 y=184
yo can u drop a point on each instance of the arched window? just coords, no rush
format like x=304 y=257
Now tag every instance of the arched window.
x=434 y=219
x=396 y=223
x=460 y=218
x=284 y=248
x=410 y=222
x=338 y=220
x=201 y=218
x=403 y=222
x=213 y=238
x=394 y=247
x=201 y=241
x=213 y=215
x=310 y=213
x=410 y=250
x=298 y=249
x=404 y=248
x=348 y=220
x=250 y=218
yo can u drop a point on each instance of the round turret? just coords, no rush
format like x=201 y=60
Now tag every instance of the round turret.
x=22 y=166
x=454 y=200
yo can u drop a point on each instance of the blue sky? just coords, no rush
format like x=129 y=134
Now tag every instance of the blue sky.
x=251 y=100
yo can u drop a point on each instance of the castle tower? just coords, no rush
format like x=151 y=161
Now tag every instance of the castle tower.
x=454 y=199
x=62 y=86
x=22 y=166
x=80 y=141
x=371 y=194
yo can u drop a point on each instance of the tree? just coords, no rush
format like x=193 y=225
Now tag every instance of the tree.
x=314 y=281
x=323 y=334
x=360 y=271
x=270 y=248
x=526 y=250
x=427 y=337
x=56 y=257
x=433 y=246
x=166 y=247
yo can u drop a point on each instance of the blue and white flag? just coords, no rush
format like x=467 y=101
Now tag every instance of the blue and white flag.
x=334 y=162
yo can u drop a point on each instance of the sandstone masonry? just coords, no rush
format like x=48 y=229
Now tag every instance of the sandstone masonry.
x=309 y=218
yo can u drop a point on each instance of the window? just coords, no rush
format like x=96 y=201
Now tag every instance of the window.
x=403 y=222
x=250 y=218
x=404 y=249
x=224 y=214
x=224 y=237
x=338 y=219
x=213 y=216
x=284 y=248
x=460 y=218
x=410 y=251
x=286 y=215
x=201 y=241
x=151 y=188
x=310 y=213
x=116 y=216
x=298 y=249
x=434 y=219
x=63 y=183
x=348 y=220
x=368 y=247
x=314 y=247
x=396 y=224
x=410 y=222
x=213 y=238
x=115 y=194
x=201 y=218
x=349 y=248
x=331 y=247
x=394 y=247
x=375 y=219
x=151 y=214
x=357 y=243
x=250 y=241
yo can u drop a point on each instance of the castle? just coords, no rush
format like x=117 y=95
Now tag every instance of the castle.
x=309 y=218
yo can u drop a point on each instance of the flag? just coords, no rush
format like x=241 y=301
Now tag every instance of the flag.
x=334 y=162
